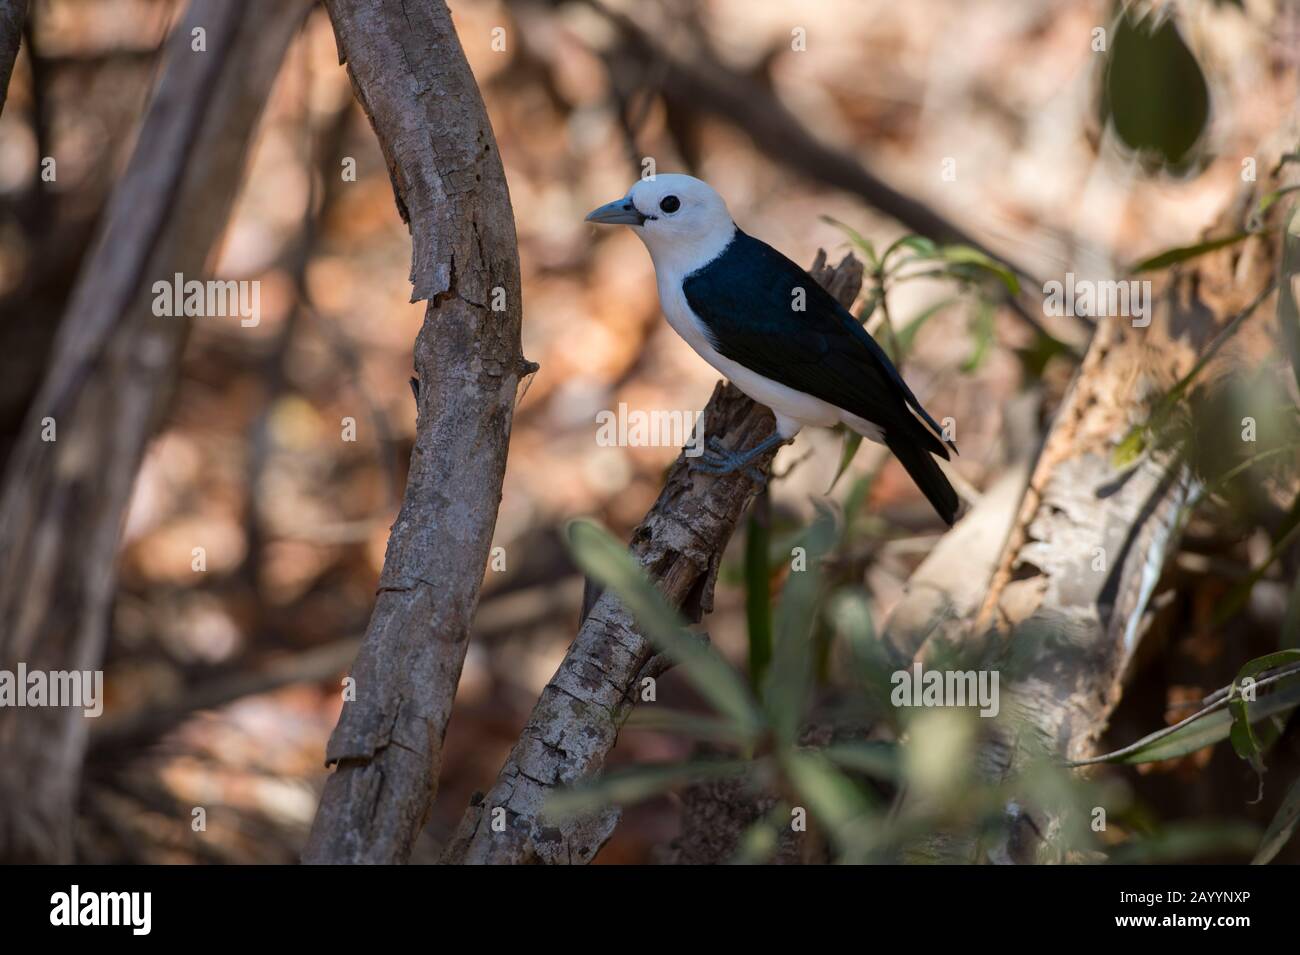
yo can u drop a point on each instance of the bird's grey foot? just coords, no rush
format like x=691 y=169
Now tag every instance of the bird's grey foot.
x=718 y=459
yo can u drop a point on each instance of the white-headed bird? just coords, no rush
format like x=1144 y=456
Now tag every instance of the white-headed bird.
x=781 y=338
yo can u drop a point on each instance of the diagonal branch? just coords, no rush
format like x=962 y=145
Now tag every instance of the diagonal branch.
x=576 y=721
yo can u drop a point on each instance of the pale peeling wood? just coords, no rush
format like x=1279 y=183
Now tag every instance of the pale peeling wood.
x=950 y=584
x=576 y=721
x=1067 y=602
x=112 y=370
x=410 y=75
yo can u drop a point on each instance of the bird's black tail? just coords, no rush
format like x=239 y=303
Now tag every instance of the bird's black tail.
x=929 y=477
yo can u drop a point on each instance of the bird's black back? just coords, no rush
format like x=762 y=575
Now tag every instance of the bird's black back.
x=745 y=298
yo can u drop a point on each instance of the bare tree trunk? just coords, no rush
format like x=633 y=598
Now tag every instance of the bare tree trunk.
x=411 y=77
x=1075 y=579
x=114 y=365
x=12 y=15
x=576 y=721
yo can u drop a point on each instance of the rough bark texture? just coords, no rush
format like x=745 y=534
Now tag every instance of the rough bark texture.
x=12 y=15
x=576 y=722
x=1068 y=599
x=113 y=367
x=410 y=75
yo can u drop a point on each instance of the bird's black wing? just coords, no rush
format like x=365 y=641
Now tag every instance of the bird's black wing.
x=748 y=300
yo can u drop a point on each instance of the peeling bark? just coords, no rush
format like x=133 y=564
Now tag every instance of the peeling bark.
x=410 y=75
x=1067 y=602
x=576 y=721
x=113 y=368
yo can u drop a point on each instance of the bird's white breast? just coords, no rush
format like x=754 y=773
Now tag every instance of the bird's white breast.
x=793 y=409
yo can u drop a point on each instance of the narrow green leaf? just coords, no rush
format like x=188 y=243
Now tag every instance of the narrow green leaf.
x=760 y=841
x=867 y=247
x=965 y=255
x=1184 y=252
x=838 y=804
x=662 y=719
x=869 y=306
x=1207 y=726
x=850 y=614
x=758 y=587
x=877 y=759
x=1139 y=435
x=604 y=559
x=923 y=247
x=1281 y=829
x=1249 y=744
x=907 y=336
x=790 y=678
x=1130 y=448
x=635 y=784
x=983 y=330
x=1270 y=199
x=1183 y=842
x=852 y=441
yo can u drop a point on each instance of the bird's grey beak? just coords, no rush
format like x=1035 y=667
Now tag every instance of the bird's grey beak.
x=618 y=212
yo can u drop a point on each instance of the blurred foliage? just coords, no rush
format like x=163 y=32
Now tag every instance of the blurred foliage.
x=1154 y=93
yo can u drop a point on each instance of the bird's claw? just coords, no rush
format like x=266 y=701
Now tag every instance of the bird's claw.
x=718 y=459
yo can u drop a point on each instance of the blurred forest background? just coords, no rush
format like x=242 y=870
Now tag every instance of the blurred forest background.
x=223 y=685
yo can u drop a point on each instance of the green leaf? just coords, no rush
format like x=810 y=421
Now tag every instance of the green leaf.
x=1131 y=447
x=1239 y=593
x=965 y=255
x=850 y=614
x=878 y=759
x=662 y=719
x=852 y=441
x=1154 y=93
x=1184 y=842
x=1035 y=357
x=1184 y=252
x=923 y=247
x=760 y=841
x=983 y=329
x=838 y=804
x=758 y=587
x=1139 y=436
x=1249 y=744
x=869 y=306
x=867 y=247
x=605 y=560
x=907 y=336
x=635 y=784
x=1207 y=726
x=790 y=678
x=1281 y=829
x=1267 y=201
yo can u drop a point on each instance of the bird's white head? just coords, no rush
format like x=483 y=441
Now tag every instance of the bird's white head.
x=683 y=222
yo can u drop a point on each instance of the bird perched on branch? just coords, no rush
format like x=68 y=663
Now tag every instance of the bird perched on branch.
x=781 y=338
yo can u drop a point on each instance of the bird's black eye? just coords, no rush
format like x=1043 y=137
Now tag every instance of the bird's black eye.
x=670 y=204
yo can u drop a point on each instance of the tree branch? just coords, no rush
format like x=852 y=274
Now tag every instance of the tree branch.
x=113 y=367
x=411 y=77
x=576 y=721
